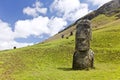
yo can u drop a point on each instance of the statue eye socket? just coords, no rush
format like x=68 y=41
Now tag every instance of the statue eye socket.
x=87 y=26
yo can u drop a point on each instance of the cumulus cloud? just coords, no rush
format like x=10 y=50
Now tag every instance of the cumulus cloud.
x=78 y=13
x=98 y=2
x=56 y=24
x=65 y=6
x=35 y=10
x=6 y=32
x=70 y=10
x=36 y=26
x=7 y=37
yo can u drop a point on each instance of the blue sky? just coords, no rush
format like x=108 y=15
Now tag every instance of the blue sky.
x=26 y=22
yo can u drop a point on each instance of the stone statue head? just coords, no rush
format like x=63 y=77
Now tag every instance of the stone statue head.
x=83 y=35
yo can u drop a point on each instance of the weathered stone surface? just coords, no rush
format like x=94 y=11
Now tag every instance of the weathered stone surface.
x=83 y=60
x=83 y=57
x=83 y=35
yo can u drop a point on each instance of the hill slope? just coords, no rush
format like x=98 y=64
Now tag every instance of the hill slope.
x=103 y=15
x=53 y=60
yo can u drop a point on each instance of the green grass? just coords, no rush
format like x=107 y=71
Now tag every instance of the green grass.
x=53 y=60
x=102 y=20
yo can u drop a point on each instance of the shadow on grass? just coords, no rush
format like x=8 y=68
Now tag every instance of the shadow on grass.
x=70 y=69
x=66 y=69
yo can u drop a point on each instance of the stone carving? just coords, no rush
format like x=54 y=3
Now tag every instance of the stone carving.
x=83 y=57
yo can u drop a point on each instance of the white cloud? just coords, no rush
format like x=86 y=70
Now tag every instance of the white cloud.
x=99 y=2
x=70 y=10
x=6 y=32
x=65 y=6
x=80 y=12
x=35 y=10
x=56 y=24
x=7 y=37
x=36 y=26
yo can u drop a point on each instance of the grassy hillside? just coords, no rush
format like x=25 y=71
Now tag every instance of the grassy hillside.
x=97 y=22
x=53 y=60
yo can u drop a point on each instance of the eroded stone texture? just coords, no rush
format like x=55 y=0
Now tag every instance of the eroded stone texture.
x=83 y=57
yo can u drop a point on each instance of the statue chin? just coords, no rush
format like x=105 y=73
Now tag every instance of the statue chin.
x=83 y=49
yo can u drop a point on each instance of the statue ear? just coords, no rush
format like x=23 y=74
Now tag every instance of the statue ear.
x=91 y=34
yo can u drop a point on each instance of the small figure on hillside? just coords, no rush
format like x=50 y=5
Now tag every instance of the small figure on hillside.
x=71 y=33
x=83 y=57
x=62 y=36
x=14 y=47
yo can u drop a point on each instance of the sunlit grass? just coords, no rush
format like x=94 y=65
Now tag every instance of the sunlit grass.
x=53 y=60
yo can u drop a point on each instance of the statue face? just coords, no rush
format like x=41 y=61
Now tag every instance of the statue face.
x=83 y=35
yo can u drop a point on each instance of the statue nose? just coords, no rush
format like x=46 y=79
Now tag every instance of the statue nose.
x=82 y=36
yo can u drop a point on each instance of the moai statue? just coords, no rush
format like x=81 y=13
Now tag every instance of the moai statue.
x=83 y=57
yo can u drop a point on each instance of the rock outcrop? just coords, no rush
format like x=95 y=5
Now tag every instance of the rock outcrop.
x=107 y=9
